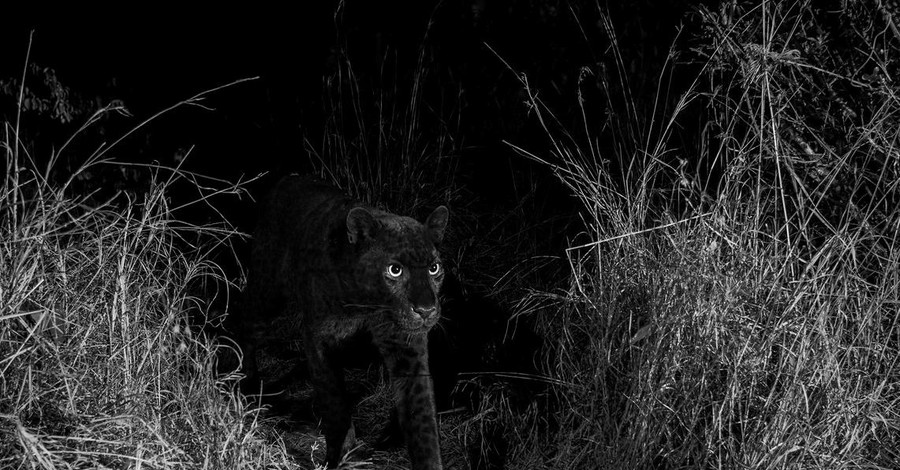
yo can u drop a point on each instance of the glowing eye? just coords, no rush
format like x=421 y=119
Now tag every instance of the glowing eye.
x=394 y=270
x=434 y=269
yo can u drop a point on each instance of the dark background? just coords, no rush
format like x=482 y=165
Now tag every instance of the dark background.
x=152 y=57
x=507 y=208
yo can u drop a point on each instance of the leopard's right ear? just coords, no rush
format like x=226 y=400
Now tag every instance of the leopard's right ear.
x=437 y=222
x=360 y=223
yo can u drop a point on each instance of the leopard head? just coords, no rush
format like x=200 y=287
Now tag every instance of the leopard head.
x=399 y=264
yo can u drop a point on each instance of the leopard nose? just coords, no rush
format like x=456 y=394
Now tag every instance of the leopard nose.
x=426 y=312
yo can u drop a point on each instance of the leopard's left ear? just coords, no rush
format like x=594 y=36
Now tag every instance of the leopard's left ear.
x=360 y=224
x=437 y=222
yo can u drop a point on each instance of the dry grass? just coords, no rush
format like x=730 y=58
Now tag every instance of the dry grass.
x=103 y=363
x=749 y=319
x=382 y=142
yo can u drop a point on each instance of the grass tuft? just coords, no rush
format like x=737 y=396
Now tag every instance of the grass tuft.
x=738 y=308
x=104 y=362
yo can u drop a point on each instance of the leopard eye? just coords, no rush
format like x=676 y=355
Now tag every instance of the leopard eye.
x=435 y=269
x=394 y=270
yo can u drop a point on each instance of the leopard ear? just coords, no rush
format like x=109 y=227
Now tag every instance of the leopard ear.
x=437 y=222
x=360 y=222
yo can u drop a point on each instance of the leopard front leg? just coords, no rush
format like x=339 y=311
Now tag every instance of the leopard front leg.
x=407 y=363
x=331 y=404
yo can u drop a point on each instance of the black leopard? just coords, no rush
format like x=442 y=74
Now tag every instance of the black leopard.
x=325 y=268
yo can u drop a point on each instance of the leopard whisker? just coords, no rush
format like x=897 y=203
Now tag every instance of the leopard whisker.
x=372 y=306
x=440 y=325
